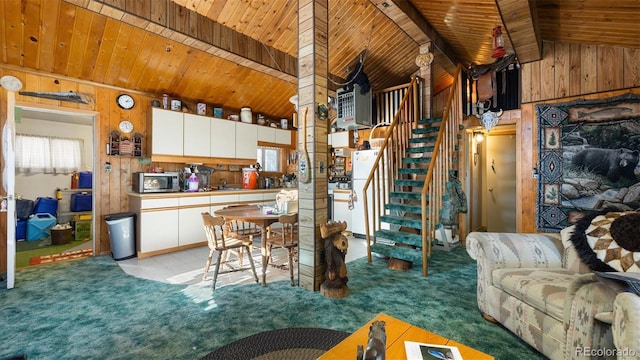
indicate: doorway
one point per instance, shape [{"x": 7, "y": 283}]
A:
[
  {"x": 64, "y": 123},
  {"x": 500, "y": 189}
]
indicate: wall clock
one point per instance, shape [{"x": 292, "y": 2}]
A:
[
  {"x": 125, "y": 101},
  {"x": 126, "y": 126}
]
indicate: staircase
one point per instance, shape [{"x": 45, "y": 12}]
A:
[{"x": 409, "y": 180}]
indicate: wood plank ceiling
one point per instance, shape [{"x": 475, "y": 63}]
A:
[{"x": 243, "y": 53}]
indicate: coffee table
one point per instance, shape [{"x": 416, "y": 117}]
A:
[{"x": 398, "y": 332}]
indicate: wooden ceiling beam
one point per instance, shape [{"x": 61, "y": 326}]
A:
[
  {"x": 409, "y": 19},
  {"x": 520, "y": 21},
  {"x": 180, "y": 24}
]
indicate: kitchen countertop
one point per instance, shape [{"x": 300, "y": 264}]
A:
[{"x": 204, "y": 193}]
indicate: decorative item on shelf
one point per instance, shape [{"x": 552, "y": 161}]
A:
[
  {"x": 261, "y": 120},
  {"x": 176, "y": 105},
  {"x": 201, "y": 108},
  {"x": 245, "y": 115},
  {"x": 126, "y": 147},
  {"x": 114, "y": 143},
  {"x": 165, "y": 101},
  {"x": 137, "y": 144},
  {"x": 217, "y": 112}
]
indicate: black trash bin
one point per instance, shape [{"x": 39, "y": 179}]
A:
[{"x": 122, "y": 235}]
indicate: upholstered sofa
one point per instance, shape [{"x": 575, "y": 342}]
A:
[{"x": 536, "y": 286}]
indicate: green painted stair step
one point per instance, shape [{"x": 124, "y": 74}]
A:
[
  {"x": 409, "y": 182},
  {"x": 420, "y": 149},
  {"x": 406, "y": 195},
  {"x": 400, "y": 237},
  {"x": 402, "y": 221},
  {"x": 398, "y": 252},
  {"x": 413, "y": 171},
  {"x": 420, "y": 160},
  {"x": 410, "y": 208},
  {"x": 425, "y": 130},
  {"x": 429, "y": 120},
  {"x": 423, "y": 139}
]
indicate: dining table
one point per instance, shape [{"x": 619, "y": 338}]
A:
[{"x": 261, "y": 216}]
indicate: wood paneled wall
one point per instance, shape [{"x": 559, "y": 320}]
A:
[
  {"x": 110, "y": 192},
  {"x": 566, "y": 72}
]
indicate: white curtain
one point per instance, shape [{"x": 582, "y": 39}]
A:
[{"x": 48, "y": 154}]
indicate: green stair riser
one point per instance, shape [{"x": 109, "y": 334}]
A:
[
  {"x": 420, "y": 149},
  {"x": 410, "y": 208},
  {"x": 420, "y": 160},
  {"x": 427, "y": 130},
  {"x": 406, "y": 195},
  {"x": 426, "y": 121},
  {"x": 402, "y": 221},
  {"x": 407, "y": 182},
  {"x": 422, "y": 139},
  {"x": 398, "y": 252},
  {"x": 412, "y": 171},
  {"x": 400, "y": 237}
]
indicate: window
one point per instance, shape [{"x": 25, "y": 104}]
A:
[
  {"x": 48, "y": 154},
  {"x": 269, "y": 159}
]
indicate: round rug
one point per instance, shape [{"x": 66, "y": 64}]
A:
[{"x": 289, "y": 343}]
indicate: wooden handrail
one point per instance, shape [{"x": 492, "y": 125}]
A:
[{"x": 394, "y": 148}]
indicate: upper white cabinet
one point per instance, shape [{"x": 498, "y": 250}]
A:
[
  {"x": 197, "y": 135},
  {"x": 341, "y": 139},
  {"x": 274, "y": 135},
  {"x": 223, "y": 138},
  {"x": 166, "y": 132},
  {"x": 283, "y": 137},
  {"x": 246, "y": 140}
]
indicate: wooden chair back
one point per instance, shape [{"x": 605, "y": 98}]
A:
[
  {"x": 214, "y": 229},
  {"x": 289, "y": 232}
]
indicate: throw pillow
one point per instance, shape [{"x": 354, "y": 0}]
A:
[{"x": 609, "y": 241}]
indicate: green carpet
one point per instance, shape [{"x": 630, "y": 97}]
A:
[
  {"x": 27, "y": 249},
  {"x": 91, "y": 309}
]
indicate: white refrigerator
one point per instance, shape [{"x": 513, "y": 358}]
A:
[{"x": 362, "y": 162}]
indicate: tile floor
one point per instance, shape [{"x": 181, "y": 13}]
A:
[{"x": 187, "y": 266}]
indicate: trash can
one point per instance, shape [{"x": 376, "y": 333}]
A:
[{"x": 122, "y": 235}]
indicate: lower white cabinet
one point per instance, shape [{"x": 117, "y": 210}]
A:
[
  {"x": 158, "y": 230},
  {"x": 190, "y": 217}
]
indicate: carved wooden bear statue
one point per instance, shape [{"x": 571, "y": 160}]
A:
[{"x": 335, "y": 247}]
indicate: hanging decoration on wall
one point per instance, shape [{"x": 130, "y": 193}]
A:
[{"x": 61, "y": 96}]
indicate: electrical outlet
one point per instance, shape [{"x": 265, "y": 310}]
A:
[{"x": 107, "y": 167}]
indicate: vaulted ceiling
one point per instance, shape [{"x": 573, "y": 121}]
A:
[{"x": 243, "y": 53}]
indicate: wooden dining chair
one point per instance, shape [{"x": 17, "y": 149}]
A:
[
  {"x": 285, "y": 237},
  {"x": 219, "y": 243}
]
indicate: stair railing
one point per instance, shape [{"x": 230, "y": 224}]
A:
[
  {"x": 394, "y": 147},
  {"x": 391, "y": 152},
  {"x": 443, "y": 156}
]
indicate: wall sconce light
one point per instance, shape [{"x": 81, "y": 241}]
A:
[
  {"x": 498, "y": 42},
  {"x": 479, "y": 136}
]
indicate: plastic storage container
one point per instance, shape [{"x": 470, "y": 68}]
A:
[
  {"x": 39, "y": 225},
  {"x": 24, "y": 208},
  {"x": 21, "y": 229},
  {"x": 46, "y": 205},
  {"x": 122, "y": 235},
  {"x": 85, "y": 180},
  {"x": 81, "y": 202}
]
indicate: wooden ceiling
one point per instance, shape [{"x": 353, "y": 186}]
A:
[{"x": 243, "y": 53}]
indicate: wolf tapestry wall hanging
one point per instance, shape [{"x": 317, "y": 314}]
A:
[{"x": 587, "y": 159}]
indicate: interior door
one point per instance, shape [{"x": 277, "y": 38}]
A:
[
  {"x": 501, "y": 183},
  {"x": 7, "y": 191}
]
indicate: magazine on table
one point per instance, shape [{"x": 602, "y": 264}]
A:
[{"x": 422, "y": 351}]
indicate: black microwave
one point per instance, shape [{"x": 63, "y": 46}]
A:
[{"x": 155, "y": 182}]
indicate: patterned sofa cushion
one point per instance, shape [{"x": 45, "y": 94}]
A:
[{"x": 543, "y": 289}]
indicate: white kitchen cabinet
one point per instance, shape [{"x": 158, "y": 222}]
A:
[
  {"x": 223, "y": 138},
  {"x": 197, "y": 135},
  {"x": 266, "y": 133},
  {"x": 283, "y": 137},
  {"x": 341, "y": 210},
  {"x": 158, "y": 230},
  {"x": 190, "y": 218},
  {"x": 246, "y": 141},
  {"x": 341, "y": 139},
  {"x": 167, "y": 132}
]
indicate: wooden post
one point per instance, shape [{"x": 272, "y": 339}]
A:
[{"x": 312, "y": 91}]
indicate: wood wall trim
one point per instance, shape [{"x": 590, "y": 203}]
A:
[{"x": 520, "y": 21}]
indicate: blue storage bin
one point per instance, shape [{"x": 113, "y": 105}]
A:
[
  {"x": 46, "y": 205},
  {"x": 81, "y": 202},
  {"x": 85, "y": 180},
  {"x": 39, "y": 226},
  {"x": 21, "y": 229}
]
